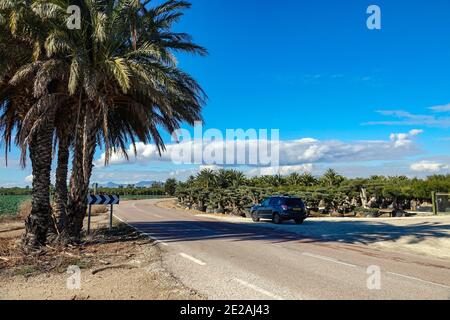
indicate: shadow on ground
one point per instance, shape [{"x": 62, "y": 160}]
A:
[{"x": 352, "y": 232}]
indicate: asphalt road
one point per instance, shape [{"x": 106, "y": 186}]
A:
[{"x": 225, "y": 260}]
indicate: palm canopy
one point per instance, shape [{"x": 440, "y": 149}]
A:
[
  {"x": 15, "y": 51},
  {"x": 131, "y": 81},
  {"x": 115, "y": 71}
]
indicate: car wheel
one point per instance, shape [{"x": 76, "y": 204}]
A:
[
  {"x": 299, "y": 221},
  {"x": 255, "y": 217},
  {"x": 399, "y": 214},
  {"x": 276, "y": 218}
]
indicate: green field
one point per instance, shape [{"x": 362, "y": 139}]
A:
[{"x": 10, "y": 204}]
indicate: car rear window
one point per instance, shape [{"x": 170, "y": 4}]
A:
[
  {"x": 294, "y": 202},
  {"x": 275, "y": 201}
]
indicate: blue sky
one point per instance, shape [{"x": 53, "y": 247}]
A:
[{"x": 312, "y": 69}]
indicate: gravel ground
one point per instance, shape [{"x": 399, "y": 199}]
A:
[{"x": 117, "y": 265}]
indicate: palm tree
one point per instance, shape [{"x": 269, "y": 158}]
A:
[
  {"x": 111, "y": 73},
  {"x": 308, "y": 180},
  {"x": 294, "y": 179},
  {"x": 331, "y": 178},
  {"x": 64, "y": 139},
  {"x": 227, "y": 178},
  {"x": 118, "y": 90},
  {"x": 274, "y": 180},
  {"x": 237, "y": 178},
  {"x": 222, "y": 178},
  {"x": 207, "y": 178},
  {"x": 28, "y": 103},
  {"x": 36, "y": 131}
]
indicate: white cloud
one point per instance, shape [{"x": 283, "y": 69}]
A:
[
  {"x": 283, "y": 170},
  {"x": 443, "y": 108},
  {"x": 209, "y": 167},
  {"x": 404, "y": 139},
  {"x": 131, "y": 176},
  {"x": 407, "y": 119},
  {"x": 291, "y": 152},
  {"x": 415, "y": 132},
  {"x": 29, "y": 179},
  {"x": 429, "y": 166}
]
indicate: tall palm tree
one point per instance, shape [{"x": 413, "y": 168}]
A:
[
  {"x": 123, "y": 89},
  {"x": 112, "y": 73},
  {"x": 28, "y": 103},
  {"x": 36, "y": 130},
  {"x": 64, "y": 137}
]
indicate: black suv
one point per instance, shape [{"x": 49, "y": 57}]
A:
[{"x": 279, "y": 209}]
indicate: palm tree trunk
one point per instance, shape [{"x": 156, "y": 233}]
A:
[
  {"x": 90, "y": 143},
  {"x": 84, "y": 149},
  {"x": 37, "y": 223},
  {"x": 76, "y": 178},
  {"x": 61, "y": 192}
]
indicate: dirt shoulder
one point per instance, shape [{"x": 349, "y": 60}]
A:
[
  {"x": 118, "y": 264},
  {"x": 428, "y": 235}
]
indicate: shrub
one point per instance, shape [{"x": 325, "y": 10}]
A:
[
  {"x": 98, "y": 210},
  {"x": 24, "y": 209}
]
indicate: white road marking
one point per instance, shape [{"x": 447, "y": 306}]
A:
[
  {"x": 328, "y": 259},
  {"x": 146, "y": 234},
  {"x": 420, "y": 280},
  {"x": 197, "y": 261},
  {"x": 258, "y": 289},
  {"x": 155, "y": 239}
]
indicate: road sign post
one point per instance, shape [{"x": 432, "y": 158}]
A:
[
  {"x": 434, "y": 203},
  {"x": 89, "y": 220},
  {"x": 110, "y": 217},
  {"x": 102, "y": 200}
]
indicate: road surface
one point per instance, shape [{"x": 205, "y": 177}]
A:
[{"x": 225, "y": 260}]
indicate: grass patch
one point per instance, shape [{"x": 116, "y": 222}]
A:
[
  {"x": 25, "y": 270},
  {"x": 10, "y": 204}
]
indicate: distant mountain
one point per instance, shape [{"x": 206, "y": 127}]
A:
[
  {"x": 110, "y": 185},
  {"x": 141, "y": 184},
  {"x": 145, "y": 184}
]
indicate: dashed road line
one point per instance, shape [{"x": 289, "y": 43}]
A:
[
  {"x": 328, "y": 259},
  {"x": 191, "y": 258},
  {"x": 420, "y": 280},
  {"x": 258, "y": 289}
]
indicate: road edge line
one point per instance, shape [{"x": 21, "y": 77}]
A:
[{"x": 157, "y": 241}]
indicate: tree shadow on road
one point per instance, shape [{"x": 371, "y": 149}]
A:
[{"x": 351, "y": 232}]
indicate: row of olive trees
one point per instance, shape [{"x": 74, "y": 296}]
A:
[
  {"x": 124, "y": 191},
  {"x": 230, "y": 191},
  {"x": 65, "y": 92}
]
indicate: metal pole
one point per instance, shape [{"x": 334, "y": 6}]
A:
[
  {"x": 433, "y": 197},
  {"x": 110, "y": 217},
  {"x": 89, "y": 220}
]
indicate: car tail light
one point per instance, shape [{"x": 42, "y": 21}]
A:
[{"x": 284, "y": 207}]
